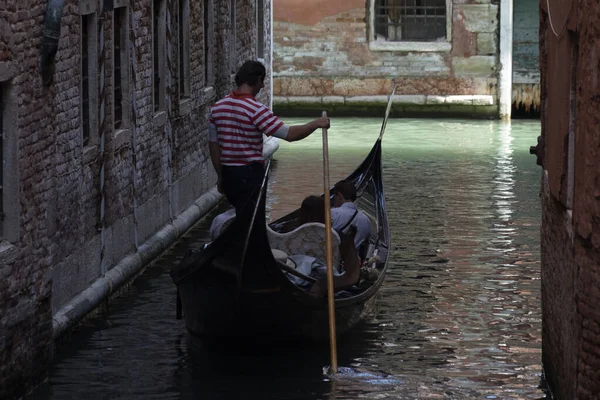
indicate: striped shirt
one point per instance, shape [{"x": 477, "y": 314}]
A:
[{"x": 239, "y": 121}]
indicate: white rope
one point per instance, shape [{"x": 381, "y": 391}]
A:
[{"x": 552, "y": 25}]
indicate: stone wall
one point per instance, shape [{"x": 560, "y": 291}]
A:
[
  {"x": 325, "y": 55},
  {"x": 569, "y": 153},
  {"x": 51, "y": 243}
]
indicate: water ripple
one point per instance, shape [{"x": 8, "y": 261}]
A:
[{"x": 458, "y": 316}]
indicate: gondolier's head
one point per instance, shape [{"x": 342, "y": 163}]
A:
[
  {"x": 251, "y": 73},
  {"x": 343, "y": 192}
]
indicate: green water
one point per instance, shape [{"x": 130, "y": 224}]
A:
[{"x": 458, "y": 315}]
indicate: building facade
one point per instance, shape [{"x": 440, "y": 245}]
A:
[
  {"x": 446, "y": 56},
  {"x": 104, "y": 155},
  {"x": 569, "y": 153}
]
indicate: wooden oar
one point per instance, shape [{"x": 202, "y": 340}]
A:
[{"x": 330, "y": 286}]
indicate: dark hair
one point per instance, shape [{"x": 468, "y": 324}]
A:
[
  {"x": 346, "y": 188},
  {"x": 312, "y": 210},
  {"x": 250, "y": 73}
]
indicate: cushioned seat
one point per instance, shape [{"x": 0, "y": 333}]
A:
[{"x": 307, "y": 239}]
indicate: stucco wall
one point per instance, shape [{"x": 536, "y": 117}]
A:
[
  {"x": 53, "y": 250},
  {"x": 322, "y": 52},
  {"x": 570, "y": 83}
]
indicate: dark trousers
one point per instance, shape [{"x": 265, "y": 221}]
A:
[{"x": 240, "y": 183}]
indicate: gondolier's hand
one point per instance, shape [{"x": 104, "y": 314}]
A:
[{"x": 323, "y": 122}]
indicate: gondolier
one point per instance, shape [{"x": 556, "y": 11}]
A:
[{"x": 236, "y": 125}]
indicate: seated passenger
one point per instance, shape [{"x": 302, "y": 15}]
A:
[
  {"x": 345, "y": 214},
  {"x": 312, "y": 210},
  {"x": 351, "y": 274}
]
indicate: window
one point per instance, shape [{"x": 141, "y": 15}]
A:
[
  {"x": 209, "y": 78},
  {"x": 158, "y": 53},
  {"x": 233, "y": 38},
  {"x": 2, "y": 157},
  {"x": 184, "y": 48},
  {"x": 9, "y": 179},
  {"x": 89, "y": 87},
  {"x": 121, "y": 69},
  {"x": 260, "y": 27},
  {"x": 410, "y": 25}
]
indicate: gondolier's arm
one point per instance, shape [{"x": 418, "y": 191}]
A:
[{"x": 299, "y": 132}]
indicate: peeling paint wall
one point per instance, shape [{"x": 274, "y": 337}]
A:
[{"x": 322, "y": 49}]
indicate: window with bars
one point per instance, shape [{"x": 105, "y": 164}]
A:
[
  {"x": 184, "y": 48},
  {"x": 410, "y": 20}
]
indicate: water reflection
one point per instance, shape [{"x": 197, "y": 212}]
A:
[{"x": 458, "y": 315}]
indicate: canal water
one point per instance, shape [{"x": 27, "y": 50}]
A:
[{"x": 458, "y": 316}]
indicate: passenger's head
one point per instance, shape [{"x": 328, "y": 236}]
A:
[
  {"x": 343, "y": 192},
  {"x": 253, "y": 74},
  {"x": 312, "y": 210}
]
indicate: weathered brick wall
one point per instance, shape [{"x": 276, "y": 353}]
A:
[
  {"x": 25, "y": 288},
  {"x": 323, "y": 50},
  {"x": 57, "y": 253},
  {"x": 571, "y": 200}
]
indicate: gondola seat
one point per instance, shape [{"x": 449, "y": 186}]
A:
[{"x": 307, "y": 239}]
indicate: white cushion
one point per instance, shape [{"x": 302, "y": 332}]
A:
[{"x": 307, "y": 239}]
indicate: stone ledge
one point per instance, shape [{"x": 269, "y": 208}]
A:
[
  {"x": 122, "y": 139},
  {"x": 476, "y": 100},
  {"x": 8, "y": 253},
  {"x": 417, "y": 47},
  {"x": 90, "y": 298},
  {"x": 8, "y": 70},
  {"x": 185, "y": 106}
]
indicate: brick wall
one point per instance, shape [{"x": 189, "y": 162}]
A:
[
  {"x": 325, "y": 50},
  {"x": 570, "y": 197},
  {"x": 56, "y": 252}
]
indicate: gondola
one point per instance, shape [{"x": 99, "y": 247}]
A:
[{"x": 235, "y": 286}]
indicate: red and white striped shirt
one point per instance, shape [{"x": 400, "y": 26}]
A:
[{"x": 239, "y": 121}]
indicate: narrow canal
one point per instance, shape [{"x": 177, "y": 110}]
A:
[{"x": 458, "y": 316}]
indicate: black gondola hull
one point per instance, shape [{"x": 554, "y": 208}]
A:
[
  {"x": 218, "y": 309},
  {"x": 235, "y": 288}
]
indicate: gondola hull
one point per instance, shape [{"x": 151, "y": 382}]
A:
[
  {"x": 235, "y": 287},
  {"x": 266, "y": 313}
]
